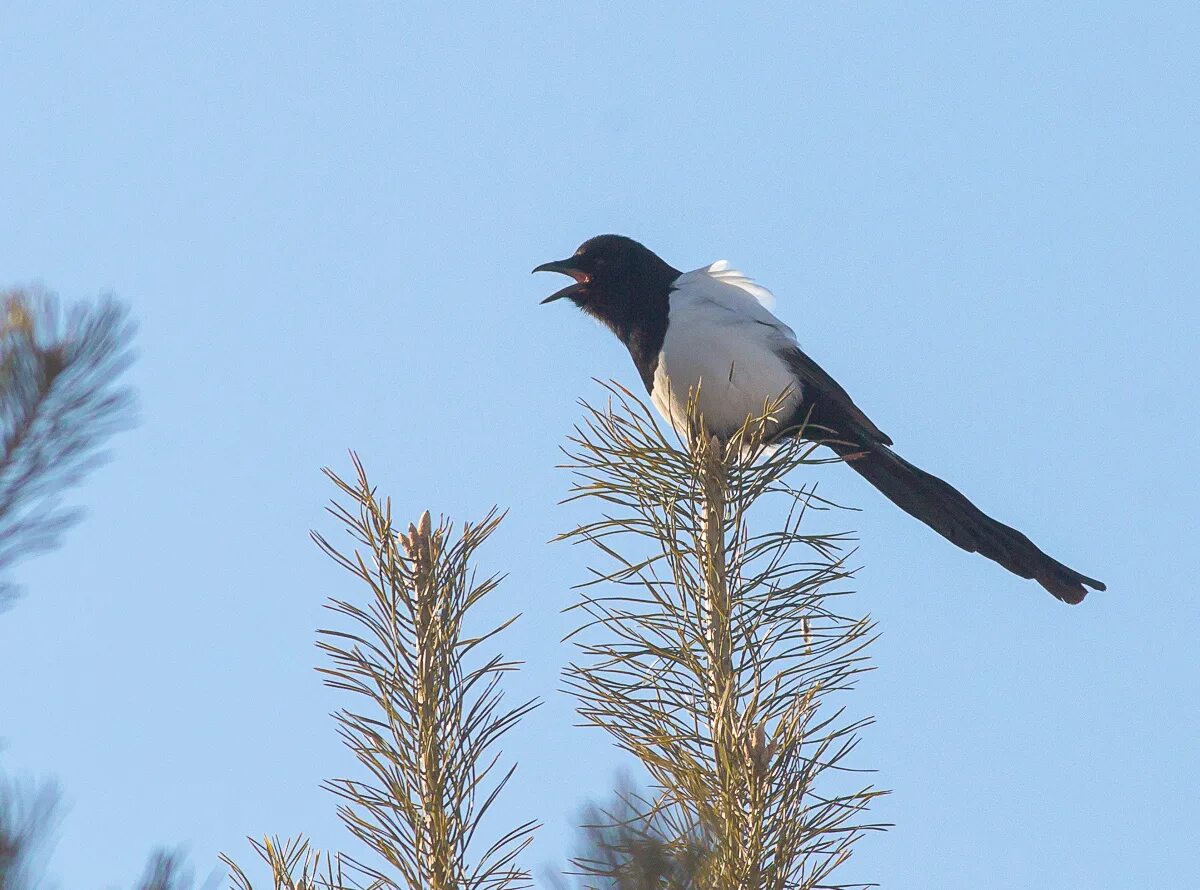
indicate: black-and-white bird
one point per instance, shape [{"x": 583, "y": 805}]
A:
[{"x": 713, "y": 326}]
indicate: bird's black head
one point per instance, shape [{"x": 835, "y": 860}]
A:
[{"x": 614, "y": 277}]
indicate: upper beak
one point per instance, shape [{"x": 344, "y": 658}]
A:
[{"x": 563, "y": 267}]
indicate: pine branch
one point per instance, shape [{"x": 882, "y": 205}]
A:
[
  {"x": 424, "y": 715},
  {"x": 295, "y": 865},
  {"x": 710, "y": 653}
]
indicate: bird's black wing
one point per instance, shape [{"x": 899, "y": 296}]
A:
[{"x": 827, "y": 406}]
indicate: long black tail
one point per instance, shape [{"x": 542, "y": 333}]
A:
[{"x": 947, "y": 511}]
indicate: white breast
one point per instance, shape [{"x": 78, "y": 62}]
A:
[{"x": 722, "y": 348}]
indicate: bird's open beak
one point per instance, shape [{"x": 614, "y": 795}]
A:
[{"x": 564, "y": 267}]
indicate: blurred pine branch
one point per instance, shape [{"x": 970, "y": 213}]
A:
[
  {"x": 165, "y": 871},
  {"x": 59, "y": 402},
  {"x": 629, "y": 851},
  {"x": 28, "y": 813}
]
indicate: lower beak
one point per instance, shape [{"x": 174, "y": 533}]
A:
[{"x": 563, "y": 267}]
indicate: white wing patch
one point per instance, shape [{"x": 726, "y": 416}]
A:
[
  {"x": 731, "y": 291},
  {"x": 723, "y": 347},
  {"x": 722, "y": 271}
]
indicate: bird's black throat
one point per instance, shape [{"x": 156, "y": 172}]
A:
[{"x": 636, "y": 311}]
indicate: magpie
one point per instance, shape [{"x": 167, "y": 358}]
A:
[{"x": 709, "y": 335}]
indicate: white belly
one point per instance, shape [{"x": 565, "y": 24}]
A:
[{"x": 730, "y": 372}]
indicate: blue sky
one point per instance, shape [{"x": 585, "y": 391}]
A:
[{"x": 981, "y": 219}]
